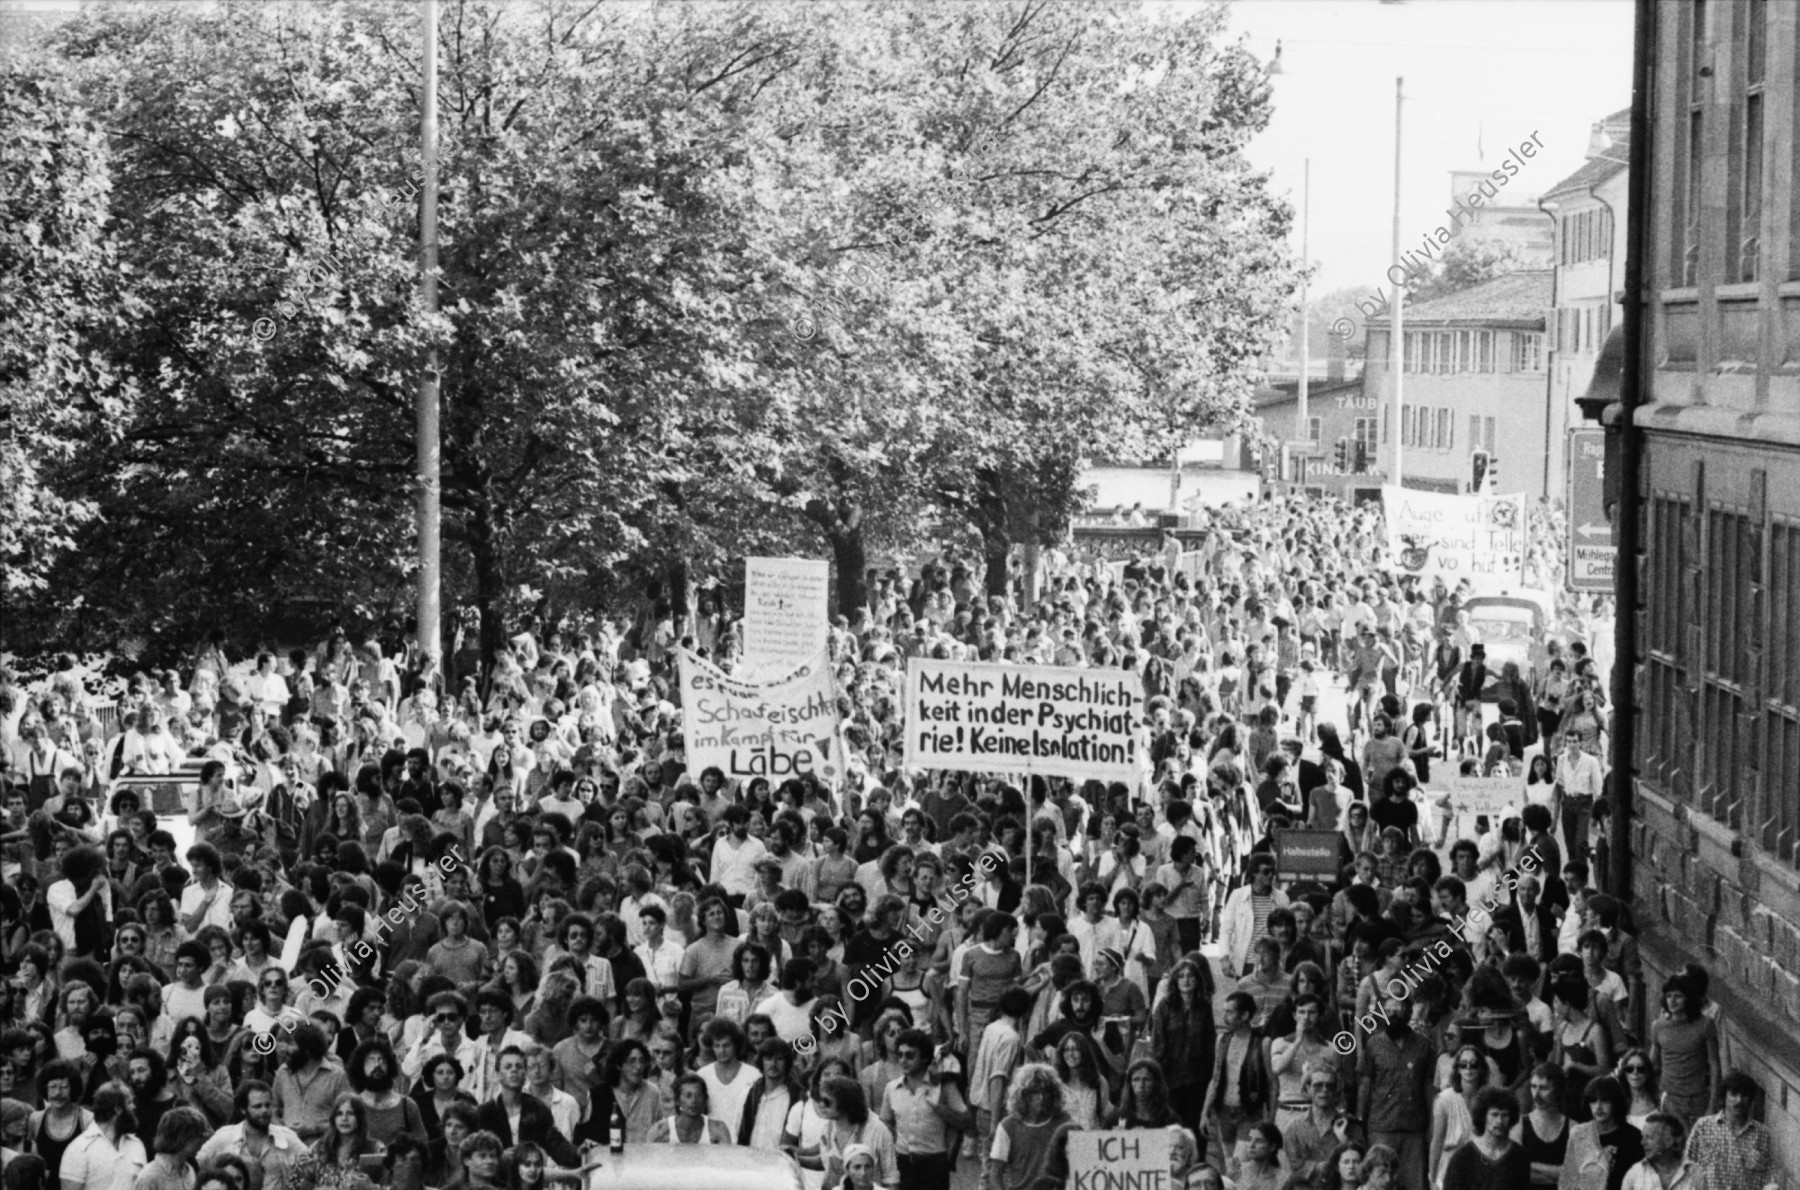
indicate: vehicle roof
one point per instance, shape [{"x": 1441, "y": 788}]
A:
[
  {"x": 693, "y": 1167},
  {"x": 1527, "y": 598}
]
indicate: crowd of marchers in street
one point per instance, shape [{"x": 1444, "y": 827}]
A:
[{"x": 637, "y": 951}]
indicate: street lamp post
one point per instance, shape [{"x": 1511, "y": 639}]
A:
[
  {"x": 1397, "y": 337},
  {"x": 430, "y": 505},
  {"x": 1301, "y": 433}
]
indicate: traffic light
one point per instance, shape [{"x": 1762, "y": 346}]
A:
[
  {"x": 1493, "y": 477},
  {"x": 1343, "y": 454},
  {"x": 1362, "y": 456},
  {"x": 1480, "y": 463}
]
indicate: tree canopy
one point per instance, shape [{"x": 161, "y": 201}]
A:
[{"x": 715, "y": 280}]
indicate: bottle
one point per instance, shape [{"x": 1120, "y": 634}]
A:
[{"x": 616, "y": 1129}]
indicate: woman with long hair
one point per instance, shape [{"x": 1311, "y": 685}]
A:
[
  {"x": 196, "y": 1074},
  {"x": 1582, "y": 1047},
  {"x": 1032, "y": 1131},
  {"x": 344, "y": 818},
  {"x": 1143, "y": 1098},
  {"x": 1079, "y": 1068},
  {"x": 833, "y": 1043},
  {"x": 640, "y": 1016},
  {"x": 1452, "y": 1118},
  {"x": 500, "y": 891},
  {"x": 338, "y": 1155},
  {"x": 765, "y": 930},
  {"x": 1183, "y": 1039},
  {"x": 804, "y": 1131},
  {"x": 1343, "y": 1169},
  {"x": 1643, "y": 1087},
  {"x": 516, "y": 974}
]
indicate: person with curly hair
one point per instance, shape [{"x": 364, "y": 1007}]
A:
[{"x": 1031, "y": 1143}]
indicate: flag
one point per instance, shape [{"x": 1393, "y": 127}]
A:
[{"x": 1479, "y": 155}]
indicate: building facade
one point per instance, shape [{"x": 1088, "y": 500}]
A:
[
  {"x": 1474, "y": 380},
  {"x": 1715, "y": 805},
  {"x": 1587, "y": 213},
  {"x": 1507, "y": 217}
]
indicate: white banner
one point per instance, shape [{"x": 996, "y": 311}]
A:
[
  {"x": 785, "y": 602},
  {"x": 1492, "y": 796},
  {"x": 779, "y": 729},
  {"x": 1134, "y": 1160},
  {"x": 985, "y": 718},
  {"x": 1480, "y": 538}
]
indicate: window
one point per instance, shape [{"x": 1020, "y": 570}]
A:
[
  {"x": 1484, "y": 348},
  {"x": 1409, "y": 423},
  {"x": 1528, "y": 351},
  {"x": 1780, "y": 813},
  {"x": 1744, "y": 215},
  {"x": 1490, "y": 435},
  {"x": 1363, "y": 430},
  {"x": 1730, "y": 631},
  {"x": 1446, "y": 430},
  {"x": 1665, "y": 747},
  {"x": 1474, "y": 432},
  {"x": 1415, "y": 352},
  {"x": 1688, "y": 243}
]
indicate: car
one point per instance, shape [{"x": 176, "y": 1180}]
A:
[
  {"x": 1511, "y": 627},
  {"x": 693, "y": 1167}
]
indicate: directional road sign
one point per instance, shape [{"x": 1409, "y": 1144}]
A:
[{"x": 1591, "y": 556}]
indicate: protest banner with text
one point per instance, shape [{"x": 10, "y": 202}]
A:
[
  {"x": 983, "y": 718},
  {"x": 1480, "y": 538},
  {"x": 786, "y": 727},
  {"x": 785, "y": 609},
  {"x": 1135, "y": 1160}
]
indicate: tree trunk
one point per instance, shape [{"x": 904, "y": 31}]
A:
[
  {"x": 996, "y": 549},
  {"x": 490, "y": 581},
  {"x": 681, "y": 592},
  {"x": 851, "y": 555}
]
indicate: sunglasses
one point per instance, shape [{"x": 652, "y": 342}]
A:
[
  {"x": 274, "y": 985},
  {"x": 1637, "y": 1070}
]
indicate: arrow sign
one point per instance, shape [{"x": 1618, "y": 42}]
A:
[{"x": 1590, "y": 562}]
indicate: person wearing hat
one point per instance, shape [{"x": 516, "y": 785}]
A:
[{"x": 1124, "y": 1010}]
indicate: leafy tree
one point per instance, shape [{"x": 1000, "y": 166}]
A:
[
  {"x": 63, "y": 298},
  {"x": 1468, "y": 261}
]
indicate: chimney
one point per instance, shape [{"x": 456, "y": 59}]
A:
[{"x": 1334, "y": 360}]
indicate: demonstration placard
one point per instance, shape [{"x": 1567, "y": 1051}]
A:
[
  {"x": 983, "y": 718},
  {"x": 1135, "y": 1160},
  {"x": 783, "y": 728},
  {"x": 785, "y": 605},
  {"x": 1492, "y": 796},
  {"x": 1305, "y": 853},
  {"x": 1480, "y": 538}
]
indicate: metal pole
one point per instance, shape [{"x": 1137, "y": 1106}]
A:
[
  {"x": 1627, "y": 527},
  {"x": 1397, "y": 344},
  {"x": 1300, "y": 416},
  {"x": 430, "y": 511}
]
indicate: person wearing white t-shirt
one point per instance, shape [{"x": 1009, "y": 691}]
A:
[
  {"x": 105, "y": 1155},
  {"x": 790, "y": 1010},
  {"x": 266, "y": 688}
]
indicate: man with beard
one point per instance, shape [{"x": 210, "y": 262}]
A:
[
  {"x": 305, "y": 1088},
  {"x": 270, "y": 1149},
  {"x": 1394, "y": 1088},
  {"x": 148, "y": 1076},
  {"x": 735, "y": 853},
  {"x": 106, "y": 1155},
  {"x": 373, "y": 1070}
]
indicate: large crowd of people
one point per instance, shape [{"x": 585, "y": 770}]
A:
[{"x": 455, "y": 928}]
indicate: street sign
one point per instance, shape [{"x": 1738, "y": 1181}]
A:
[{"x": 1591, "y": 554}]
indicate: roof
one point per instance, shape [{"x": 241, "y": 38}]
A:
[
  {"x": 1593, "y": 171},
  {"x": 1289, "y": 390},
  {"x": 1516, "y": 299},
  {"x": 693, "y": 1167}
]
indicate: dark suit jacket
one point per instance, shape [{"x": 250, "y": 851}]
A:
[
  {"x": 1515, "y": 931},
  {"x": 535, "y": 1124}
]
